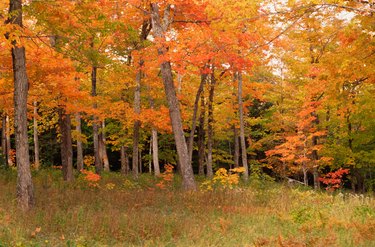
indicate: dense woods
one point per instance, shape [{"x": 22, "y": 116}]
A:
[
  {"x": 201, "y": 94},
  {"x": 284, "y": 89}
]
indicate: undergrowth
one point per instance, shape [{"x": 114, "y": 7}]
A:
[{"x": 121, "y": 211}]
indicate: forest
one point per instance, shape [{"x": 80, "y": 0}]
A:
[{"x": 187, "y": 122}]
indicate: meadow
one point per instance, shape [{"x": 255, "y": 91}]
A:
[{"x": 120, "y": 211}]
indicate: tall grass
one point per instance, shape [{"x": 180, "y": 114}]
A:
[{"x": 137, "y": 213}]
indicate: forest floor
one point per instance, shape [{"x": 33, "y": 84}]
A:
[{"x": 122, "y": 212}]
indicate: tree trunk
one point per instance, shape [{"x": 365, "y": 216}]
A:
[
  {"x": 104, "y": 148},
  {"x": 124, "y": 161},
  {"x": 66, "y": 145},
  {"x": 3, "y": 140},
  {"x": 188, "y": 180},
  {"x": 25, "y": 188},
  {"x": 36, "y": 139},
  {"x": 137, "y": 123},
  {"x": 194, "y": 119},
  {"x": 79, "y": 142},
  {"x": 236, "y": 155},
  {"x": 210, "y": 121},
  {"x": 95, "y": 127},
  {"x": 305, "y": 178},
  {"x": 242, "y": 129},
  {"x": 8, "y": 143},
  {"x": 201, "y": 137},
  {"x": 155, "y": 152}
]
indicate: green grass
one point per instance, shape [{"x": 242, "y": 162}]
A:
[{"x": 136, "y": 213}]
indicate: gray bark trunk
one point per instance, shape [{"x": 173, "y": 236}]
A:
[
  {"x": 3, "y": 140},
  {"x": 242, "y": 129},
  {"x": 188, "y": 180},
  {"x": 95, "y": 127},
  {"x": 79, "y": 142},
  {"x": 8, "y": 143},
  {"x": 137, "y": 123},
  {"x": 155, "y": 152},
  {"x": 236, "y": 155},
  {"x": 36, "y": 139},
  {"x": 66, "y": 145},
  {"x": 210, "y": 130},
  {"x": 104, "y": 148},
  {"x": 124, "y": 161},
  {"x": 194, "y": 119},
  {"x": 201, "y": 137},
  {"x": 25, "y": 188}
]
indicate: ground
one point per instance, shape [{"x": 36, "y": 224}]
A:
[{"x": 119, "y": 211}]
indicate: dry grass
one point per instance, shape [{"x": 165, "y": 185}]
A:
[{"x": 138, "y": 214}]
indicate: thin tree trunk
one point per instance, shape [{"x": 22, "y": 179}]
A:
[
  {"x": 124, "y": 161},
  {"x": 242, "y": 129},
  {"x": 194, "y": 119},
  {"x": 236, "y": 155},
  {"x": 95, "y": 127},
  {"x": 36, "y": 139},
  {"x": 210, "y": 121},
  {"x": 155, "y": 147},
  {"x": 8, "y": 143},
  {"x": 25, "y": 188},
  {"x": 305, "y": 178},
  {"x": 155, "y": 152},
  {"x": 137, "y": 123},
  {"x": 201, "y": 136},
  {"x": 140, "y": 162},
  {"x": 3, "y": 140},
  {"x": 79, "y": 142},
  {"x": 104, "y": 148},
  {"x": 66, "y": 145},
  {"x": 188, "y": 180}
]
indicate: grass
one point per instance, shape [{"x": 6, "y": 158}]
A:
[{"x": 137, "y": 213}]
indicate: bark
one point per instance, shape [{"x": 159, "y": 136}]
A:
[
  {"x": 66, "y": 145},
  {"x": 104, "y": 148},
  {"x": 79, "y": 142},
  {"x": 210, "y": 121},
  {"x": 194, "y": 119},
  {"x": 154, "y": 145},
  {"x": 236, "y": 155},
  {"x": 25, "y": 188},
  {"x": 242, "y": 129},
  {"x": 140, "y": 162},
  {"x": 36, "y": 139},
  {"x": 305, "y": 178},
  {"x": 8, "y": 143},
  {"x": 201, "y": 137},
  {"x": 315, "y": 156},
  {"x": 188, "y": 180},
  {"x": 95, "y": 127},
  {"x": 124, "y": 161},
  {"x": 137, "y": 123},
  {"x": 3, "y": 140},
  {"x": 155, "y": 152}
]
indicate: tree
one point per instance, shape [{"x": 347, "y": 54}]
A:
[{"x": 25, "y": 188}]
